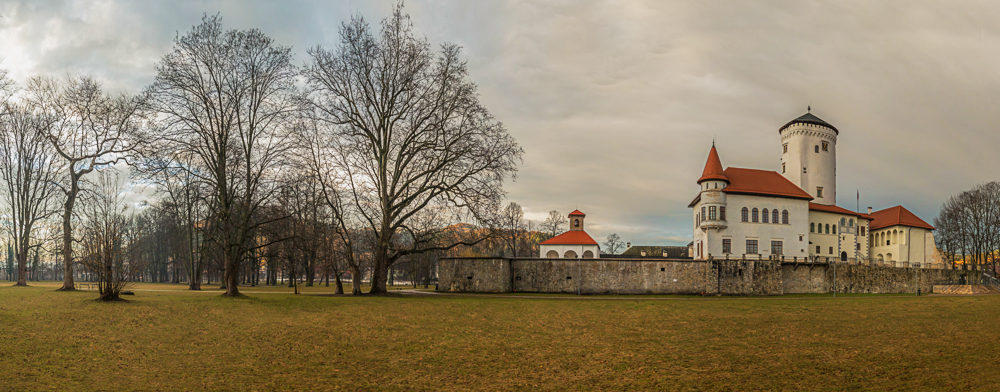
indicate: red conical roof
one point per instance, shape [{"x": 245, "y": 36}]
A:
[
  {"x": 577, "y": 213},
  {"x": 713, "y": 168}
]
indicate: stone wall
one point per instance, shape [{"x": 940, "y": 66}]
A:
[
  {"x": 852, "y": 278},
  {"x": 610, "y": 276},
  {"x": 669, "y": 276}
]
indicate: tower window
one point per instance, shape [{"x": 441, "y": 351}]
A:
[
  {"x": 862, "y": 230},
  {"x": 817, "y": 149},
  {"x": 722, "y": 213},
  {"x": 826, "y": 146},
  {"x": 576, "y": 223},
  {"x": 711, "y": 213},
  {"x": 784, "y": 148},
  {"x": 703, "y": 215},
  {"x": 782, "y": 168},
  {"x": 819, "y": 191}
]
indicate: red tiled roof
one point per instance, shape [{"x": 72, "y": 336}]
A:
[
  {"x": 573, "y": 237},
  {"x": 837, "y": 210},
  {"x": 897, "y": 215},
  {"x": 713, "y": 167},
  {"x": 577, "y": 213},
  {"x": 762, "y": 182}
]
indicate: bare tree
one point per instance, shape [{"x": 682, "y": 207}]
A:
[
  {"x": 225, "y": 97},
  {"x": 109, "y": 240},
  {"x": 28, "y": 174},
  {"x": 409, "y": 132},
  {"x": 512, "y": 226},
  {"x": 552, "y": 226},
  {"x": 613, "y": 244},
  {"x": 89, "y": 130}
]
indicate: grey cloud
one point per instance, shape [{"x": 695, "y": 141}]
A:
[{"x": 617, "y": 103}]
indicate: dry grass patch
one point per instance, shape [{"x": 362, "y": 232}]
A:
[{"x": 180, "y": 340}]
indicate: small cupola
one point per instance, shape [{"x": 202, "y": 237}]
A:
[{"x": 576, "y": 220}]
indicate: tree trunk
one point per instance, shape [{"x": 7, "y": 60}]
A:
[
  {"x": 356, "y": 280},
  {"x": 231, "y": 276}
]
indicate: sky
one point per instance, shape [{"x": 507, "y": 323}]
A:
[{"x": 616, "y": 103}]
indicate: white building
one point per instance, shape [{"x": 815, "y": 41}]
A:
[
  {"x": 758, "y": 213},
  {"x": 575, "y": 243}
]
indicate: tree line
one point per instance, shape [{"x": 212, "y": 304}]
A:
[
  {"x": 372, "y": 153},
  {"x": 968, "y": 227}
]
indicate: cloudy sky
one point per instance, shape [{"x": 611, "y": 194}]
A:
[{"x": 616, "y": 103}]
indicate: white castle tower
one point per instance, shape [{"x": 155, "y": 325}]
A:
[{"x": 809, "y": 156}]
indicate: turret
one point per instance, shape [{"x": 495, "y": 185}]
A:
[
  {"x": 711, "y": 213},
  {"x": 809, "y": 156}
]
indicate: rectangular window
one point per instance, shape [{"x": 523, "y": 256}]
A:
[
  {"x": 711, "y": 213},
  {"x": 819, "y": 191},
  {"x": 784, "y": 148},
  {"x": 752, "y": 247},
  {"x": 862, "y": 231},
  {"x": 782, "y": 167},
  {"x": 727, "y": 245},
  {"x": 722, "y": 213},
  {"x": 826, "y": 146},
  {"x": 703, "y": 214},
  {"x": 776, "y": 248},
  {"x": 817, "y": 249},
  {"x": 831, "y": 250},
  {"x": 857, "y": 246}
]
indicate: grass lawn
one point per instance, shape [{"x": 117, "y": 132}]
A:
[{"x": 181, "y": 340}]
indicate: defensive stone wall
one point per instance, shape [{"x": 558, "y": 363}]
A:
[{"x": 677, "y": 276}]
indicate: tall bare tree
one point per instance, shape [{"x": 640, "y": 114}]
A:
[
  {"x": 28, "y": 174},
  {"x": 409, "y": 132},
  {"x": 512, "y": 227},
  {"x": 225, "y": 97},
  {"x": 613, "y": 244},
  {"x": 89, "y": 130}
]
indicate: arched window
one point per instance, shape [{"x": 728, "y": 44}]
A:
[
  {"x": 569, "y": 254},
  {"x": 576, "y": 223},
  {"x": 834, "y": 229},
  {"x": 827, "y": 228},
  {"x": 755, "y": 214},
  {"x": 588, "y": 254},
  {"x": 774, "y": 216},
  {"x": 743, "y": 214},
  {"x": 817, "y": 148},
  {"x": 784, "y": 217},
  {"x": 850, "y": 223},
  {"x": 765, "y": 216},
  {"x": 843, "y": 221},
  {"x": 552, "y": 254},
  {"x": 812, "y": 227}
]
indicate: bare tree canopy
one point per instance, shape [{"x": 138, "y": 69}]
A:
[
  {"x": 28, "y": 175},
  {"x": 968, "y": 226},
  {"x": 225, "y": 97},
  {"x": 552, "y": 226},
  {"x": 410, "y": 135},
  {"x": 613, "y": 244},
  {"x": 110, "y": 239},
  {"x": 89, "y": 130}
]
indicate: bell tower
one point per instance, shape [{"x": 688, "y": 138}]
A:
[
  {"x": 809, "y": 156},
  {"x": 576, "y": 220}
]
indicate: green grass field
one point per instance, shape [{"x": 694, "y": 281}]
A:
[{"x": 179, "y": 340}]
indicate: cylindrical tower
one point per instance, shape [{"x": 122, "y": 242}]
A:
[
  {"x": 809, "y": 157},
  {"x": 712, "y": 209}
]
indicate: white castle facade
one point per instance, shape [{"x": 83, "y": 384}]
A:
[{"x": 793, "y": 213}]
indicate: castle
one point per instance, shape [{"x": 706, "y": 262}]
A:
[{"x": 750, "y": 213}]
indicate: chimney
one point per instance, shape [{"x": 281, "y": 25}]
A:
[
  {"x": 628, "y": 245},
  {"x": 869, "y": 210}
]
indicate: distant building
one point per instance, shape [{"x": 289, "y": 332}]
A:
[
  {"x": 673, "y": 252},
  {"x": 794, "y": 213},
  {"x": 575, "y": 243}
]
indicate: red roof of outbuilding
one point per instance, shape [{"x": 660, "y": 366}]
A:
[
  {"x": 836, "y": 210},
  {"x": 713, "y": 167},
  {"x": 897, "y": 215},
  {"x": 762, "y": 182},
  {"x": 573, "y": 237},
  {"x": 577, "y": 213}
]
